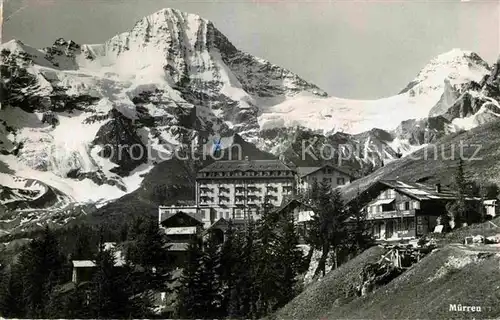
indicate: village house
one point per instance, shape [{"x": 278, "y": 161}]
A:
[
  {"x": 302, "y": 215},
  {"x": 399, "y": 210},
  {"x": 491, "y": 207},
  {"x": 83, "y": 270},
  {"x": 333, "y": 176},
  {"x": 180, "y": 228}
]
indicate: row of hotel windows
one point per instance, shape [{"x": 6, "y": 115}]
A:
[
  {"x": 237, "y": 214},
  {"x": 252, "y": 188},
  {"x": 223, "y": 199},
  {"x": 247, "y": 174}
]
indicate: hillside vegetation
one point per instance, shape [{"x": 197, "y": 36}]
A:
[{"x": 452, "y": 274}]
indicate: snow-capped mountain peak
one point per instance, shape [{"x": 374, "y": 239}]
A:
[
  {"x": 457, "y": 66},
  {"x": 76, "y": 117}
]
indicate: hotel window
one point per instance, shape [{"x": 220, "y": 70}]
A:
[
  {"x": 407, "y": 205},
  {"x": 340, "y": 181}
]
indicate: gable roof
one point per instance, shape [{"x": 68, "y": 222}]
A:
[
  {"x": 421, "y": 191},
  {"x": 292, "y": 203},
  {"x": 305, "y": 171},
  {"x": 186, "y": 214},
  {"x": 246, "y": 165}
]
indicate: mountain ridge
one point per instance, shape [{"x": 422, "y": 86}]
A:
[{"x": 175, "y": 81}]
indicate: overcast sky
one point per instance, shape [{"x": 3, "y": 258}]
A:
[{"x": 351, "y": 49}]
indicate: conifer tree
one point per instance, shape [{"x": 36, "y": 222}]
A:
[
  {"x": 148, "y": 248},
  {"x": 328, "y": 228},
  {"x": 458, "y": 208},
  {"x": 247, "y": 291},
  {"x": 41, "y": 268},
  {"x": 266, "y": 281},
  {"x": 83, "y": 248},
  {"x": 210, "y": 281},
  {"x": 11, "y": 292},
  {"x": 290, "y": 260},
  {"x": 190, "y": 299},
  {"x": 227, "y": 269},
  {"x": 109, "y": 292},
  {"x": 69, "y": 305},
  {"x": 359, "y": 238}
]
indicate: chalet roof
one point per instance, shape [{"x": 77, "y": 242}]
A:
[
  {"x": 246, "y": 165},
  {"x": 180, "y": 212},
  {"x": 178, "y": 246},
  {"x": 83, "y": 263},
  {"x": 305, "y": 171},
  {"x": 219, "y": 223},
  {"x": 421, "y": 191},
  {"x": 291, "y": 203},
  {"x": 383, "y": 201}
]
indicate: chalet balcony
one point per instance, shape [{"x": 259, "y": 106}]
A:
[{"x": 390, "y": 214}]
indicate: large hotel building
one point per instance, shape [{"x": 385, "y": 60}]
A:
[{"x": 240, "y": 189}]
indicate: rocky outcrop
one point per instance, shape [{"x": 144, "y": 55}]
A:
[
  {"x": 424, "y": 131},
  {"x": 120, "y": 144}
]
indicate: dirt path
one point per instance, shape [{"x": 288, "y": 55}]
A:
[{"x": 495, "y": 248}]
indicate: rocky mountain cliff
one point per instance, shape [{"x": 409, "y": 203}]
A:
[{"x": 89, "y": 122}]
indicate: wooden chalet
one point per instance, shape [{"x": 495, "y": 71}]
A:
[{"x": 399, "y": 210}]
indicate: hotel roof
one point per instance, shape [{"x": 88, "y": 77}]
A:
[
  {"x": 246, "y": 165},
  {"x": 421, "y": 191},
  {"x": 305, "y": 171}
]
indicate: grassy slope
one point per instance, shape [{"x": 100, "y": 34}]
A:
[
  {"x": 318, "y": 297},
  {"x": 412, "y": 295},
  {"x": 416, "y": 295},
  {"x": 429, "y": 163}
]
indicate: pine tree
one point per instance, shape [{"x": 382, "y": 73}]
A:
[
  {"x": 227, "y": 269},
  {"x": 148, "y": 253},
  {"x": 190, "y": 299},
  {"x": 41, "y": 268},
  {"x": 460, "y": 209},
  {"x": 210, "y": 280},
  {"x": 69, "y": 305},
  {"x": 359, "y": 238},
  {"x": 109, "y": 292},
  {"x": 266, "y": 280},
  {"x": 247, "y": 290},
  {"x": 83, "y": 248},
  {"x": 290, "y": 260},
  {"x": 11, "y": 290},
  {"x": 329, "y": 225}
]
